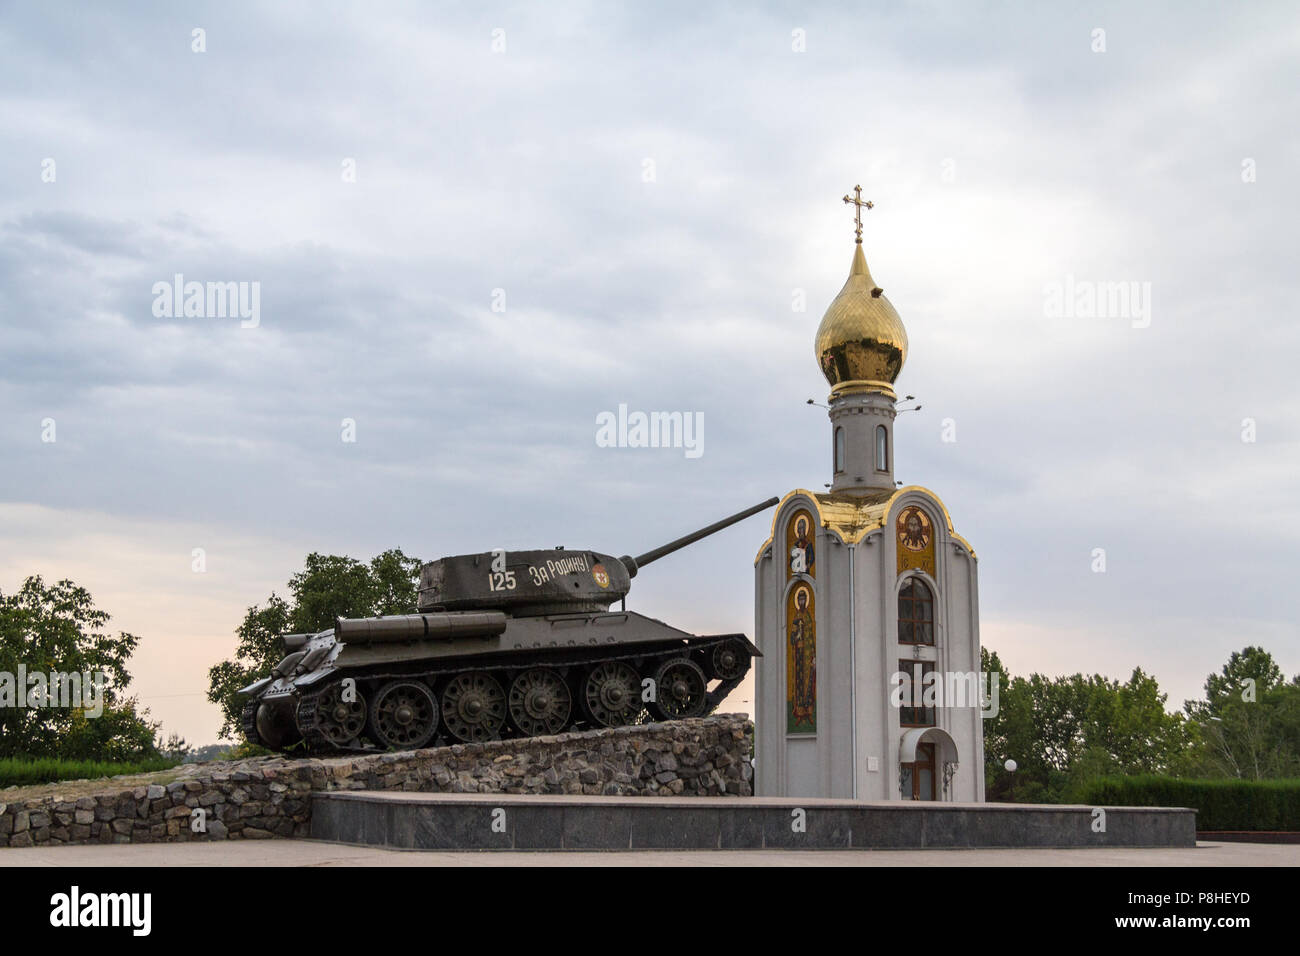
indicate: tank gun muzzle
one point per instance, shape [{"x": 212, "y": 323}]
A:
[{"x": 634, "y": 564}]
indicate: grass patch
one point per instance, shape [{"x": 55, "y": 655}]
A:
[{"x": 16, "y": 772}]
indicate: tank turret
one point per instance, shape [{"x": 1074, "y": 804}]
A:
[
  {"x": 528, "y": 583},
  {"x": 500, "y": 644}
]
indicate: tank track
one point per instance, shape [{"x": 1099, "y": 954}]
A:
[
  {"x": 305, "y": 717},
  {"x": 248, "y": 722},
  {"x": 315, "y": 742}
]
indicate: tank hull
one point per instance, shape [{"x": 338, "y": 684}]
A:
[
  {"x": 457, "y": 677},
  {"x": 502, "y": 644}
]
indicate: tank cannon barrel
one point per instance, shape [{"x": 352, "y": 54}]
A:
[{"x": 634, "y": 564}]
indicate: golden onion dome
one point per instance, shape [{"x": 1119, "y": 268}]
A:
[{"x": 861, "y": 343}]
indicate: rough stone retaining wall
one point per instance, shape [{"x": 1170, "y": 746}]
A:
[{"x": 270, "y": 797}]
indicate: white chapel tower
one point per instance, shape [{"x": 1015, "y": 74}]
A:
[{"x": 866, "y": 606}]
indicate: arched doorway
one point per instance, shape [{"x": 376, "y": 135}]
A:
[
  {"x": 917, "y": 781},
  {"x": 927, "y": 760}
]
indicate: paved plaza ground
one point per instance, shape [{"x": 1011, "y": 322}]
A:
[{"x": 314, "y": 853}]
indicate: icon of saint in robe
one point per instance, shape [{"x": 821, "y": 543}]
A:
[
  {"x": 801, "y": 663},
  {"x": 802, "y": 554}
]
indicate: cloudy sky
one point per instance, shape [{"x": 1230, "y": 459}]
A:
[{"x": 559, "y": 208}]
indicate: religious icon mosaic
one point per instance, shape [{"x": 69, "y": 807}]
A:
[
  {"x": 801, "y": 661},
  {"x": 915, "y": 541},
  {"x": 801, "y": 556}
]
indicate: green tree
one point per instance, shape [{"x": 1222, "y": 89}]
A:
[
  {"x": 329, "y": 586},
  {"x": 258, "y": 650},
  {"x": 175, "y": 748},
  {"x": 1249, "y": 672},
  {"x": 1248, "y": 725},
  {"x": 397, "y": 582},
  {"x": 58, "y": 629},
  {"x": 1064, "y": 731},
  {"x": 999, "y": 729}
]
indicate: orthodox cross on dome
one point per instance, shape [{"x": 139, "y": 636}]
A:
[{"x": 858, "y": 202}]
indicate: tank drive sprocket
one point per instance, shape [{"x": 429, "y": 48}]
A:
[
  {"x": 332, "y": 717},
  {"x": 681, "y": 690}
]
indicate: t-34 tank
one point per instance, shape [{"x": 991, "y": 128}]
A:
[{"x": 502, "y": 644}]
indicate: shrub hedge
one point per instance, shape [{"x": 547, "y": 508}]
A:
[{"x": 1220, "y": 804}]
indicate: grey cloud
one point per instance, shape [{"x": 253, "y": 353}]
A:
[{"x": 523, "y": 172}]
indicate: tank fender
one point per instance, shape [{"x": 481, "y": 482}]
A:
[
  {"x": 749, "y": 645},
  {"x": 256, "y": 687},
  {"x": 314, "y": 676}
]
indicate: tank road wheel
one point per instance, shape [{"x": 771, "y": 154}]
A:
[
  {"x": 681, "y": 690},
  {"x": 612, "y": 693},
  {"x": 730, "y": 660},
  {"x": 403, "y": 715},
  {"x": 339, "y": 721},
  {"x": 473, "y": 707},
  {"x": 540, "y": 703}
]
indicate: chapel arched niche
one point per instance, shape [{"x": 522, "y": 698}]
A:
[{"x": 800, "y": 621}]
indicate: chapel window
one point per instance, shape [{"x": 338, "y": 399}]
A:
[
  {"x": 839, "y": 449},
  {"x": 915, "y": 612},
  {"x": 913, "y": 712},
  {"x": 882, "y": 448}
]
